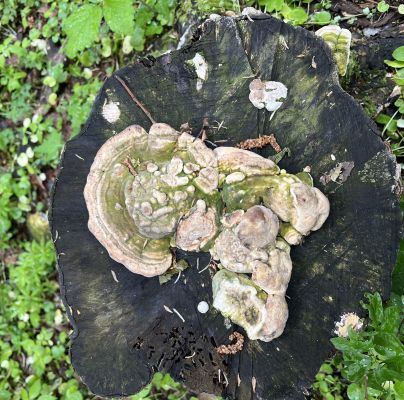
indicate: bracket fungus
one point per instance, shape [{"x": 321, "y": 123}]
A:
[
  {"x": 168, "y": 189},
  {"x": 339, "y": 41}
]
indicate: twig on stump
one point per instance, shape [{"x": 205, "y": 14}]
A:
[
  {"x": 135, "y": 99},
  {"x": 128, "y": 163}
]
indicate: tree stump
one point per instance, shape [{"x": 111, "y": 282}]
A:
[{"x": 122, "y": 331}]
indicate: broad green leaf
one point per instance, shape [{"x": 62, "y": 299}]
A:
[
  {"x": 355, "y": 392},
  {"x": 143, "y": 394},
  {"x": 5, "y": 394},
  {"x": 164, "y": 14},
  {"x": 343, "y": 344},
  {"x": 119, "y": 15},
  {"x": 388, "y": 345},
  {"x": 394, "y": 63},
  {"x": 138, "y": 39},
  {"x": 73, "y": 394},
  {"x": 322, "y": 18},
  {"x": 401, "y": 8},
  {"x": 297, "y": 15},
  {"x": 391, "y": 124},
  {"x": 273, "y": 5},
  {"x": 81, "y": 28},
  {"x": 375, "y": 308},
  {"x": 34, "y": 388},
  {"x": 382, "y": 6},
  {"x": 399, "y": 385},
  {"x": 398, "y": 53},
  {"x": 391, "y": 320}
]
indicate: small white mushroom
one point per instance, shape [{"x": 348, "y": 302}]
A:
[{"x": 203, "y": 307}]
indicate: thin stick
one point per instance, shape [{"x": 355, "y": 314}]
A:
[
  {"x": 135, "y": 99},
  {"x": 128, "y": 164}
]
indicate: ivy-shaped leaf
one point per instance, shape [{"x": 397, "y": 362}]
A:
[
  {"x": 81, "y": 28},
  {"x": 119, "y": 15}
]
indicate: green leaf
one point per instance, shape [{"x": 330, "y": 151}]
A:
[
  {"x": 81, "y": 28},
  {"x": 401, "y": 9},
  {"x": 375, "y": 308},
  {"x": 297, "y": 16},
  {"x": 391, "y": 124},
  {"x": 382, "y": 6},
  {"x": 355, "y": 392},
  {"x": 391, "y": 320},
  {"x": 342, "y": 344},
  {"x": 73, "y": 394},
  {"x": 34, "y": 388},
  {"x": 5, "y": 394},
  {"x": 143, "y": 394},
  {"x": 119, "y": 15},
  {"x": 138, "y": 39},
  {"x": 399, "y": 385},
  {"x": 164, "y": 14},
  {"x": 398, "y": 53},
  {"x": 273, "y": 5},
  {"x": 322, "y": 18},
  {"x": 394, "y": 64}
]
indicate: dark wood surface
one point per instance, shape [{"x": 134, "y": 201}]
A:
[{"x": 122, "y": 333}]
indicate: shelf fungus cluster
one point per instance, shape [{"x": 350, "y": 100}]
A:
[{"x": 148, "y": 192}]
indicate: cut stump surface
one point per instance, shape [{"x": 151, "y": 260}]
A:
[{"x": 122, "y": 331}]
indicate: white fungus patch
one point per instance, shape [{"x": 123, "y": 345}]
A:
[
  {"x": 111, "y": 111},
  {"x": 203, "y": 307},
  {"x": 268, "y": 94},
  {"x": 201, "y": 69}
]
